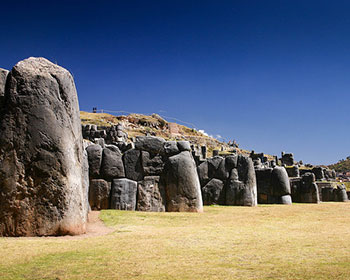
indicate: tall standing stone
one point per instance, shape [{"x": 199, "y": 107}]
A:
[
  {"x": 41, "y": 154},
  {"x": 182, "y": 185}
]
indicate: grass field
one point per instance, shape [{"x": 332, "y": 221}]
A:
[{"x": 265, "y": 242}]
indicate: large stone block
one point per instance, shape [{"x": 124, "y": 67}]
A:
[
  {"x": 123, "y": 194},
  {"x": 309, "y": 190},
  {"x": 151, "y": 195},
  {"x": 202, "y": 170},
  {"x": 132, "y": 165},
  {"x": 41, "y": 153},
  {"x": 246, "y": 174},
  {"x": 170, "y": 148},
  {"x": 95, "y": 159},
  {"x": 280, "y": 181},
  {"x": 213, "y": 192},
  {"x": 112, "y": 164},
  {"x": 152, "y": 165},
  {"x": 99, "y": 194},
  {"x": 151, "y": 144},
  {"x": 182, "y": 184}
]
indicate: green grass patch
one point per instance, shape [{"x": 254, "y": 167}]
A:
[{"x": 301, "y": 241}]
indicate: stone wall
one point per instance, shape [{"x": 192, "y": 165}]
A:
[
  {"x": 156, "y": 175},
  {"x": 228, "y": 181},
  {"x": 273, "y": 185}
]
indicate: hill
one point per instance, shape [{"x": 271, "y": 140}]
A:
[
  {"x": 342, "y": 165},
  {"x": 138, "y": 125}
]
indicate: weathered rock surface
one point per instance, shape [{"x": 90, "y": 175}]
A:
[
  {"x": 151, "y": 165},
  {"x": 123, "y": 194},
  {"x": 112, "y": 164},
  {"x": 340, "y": 194},
  {"x": 151, "y": 195},
  {"x": 184, "y": 146},
  {"x": 182, "y": 184},
  {"x": 280, "y": 184},
  {"x": 319, "y": 172},
  {"x": 41, "y": 154},
  {"x": 246, "y": 175},
  {"x": 213, "y": 192},
  {"x": 3, "y": 76},
  {"x": 95, "y": 159},
  {"x": 308, "y": 192},
  {"x": 99, "y": 194},
  {"x": 153, "y": 145},
  {"x": 293, "y": 171},
  {"x": 132, "y": 165},
  {"x": 202, "y": 170},
  {"x": 170, "y": 148}
]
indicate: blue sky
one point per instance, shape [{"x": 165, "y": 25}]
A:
[{"x": 274, "y": 75}]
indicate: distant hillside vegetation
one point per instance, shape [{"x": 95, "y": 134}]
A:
[{"x": 342, "y": 165}]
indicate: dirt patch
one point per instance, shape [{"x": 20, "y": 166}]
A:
[{"x": 95, "y": 227}]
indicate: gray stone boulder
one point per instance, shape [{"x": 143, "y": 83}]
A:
[
  {"x": 99, "y": 194},
  {"x": 340, "y": 194},
  {"x": 231, "y": 162},
  {"x": 95, "y": 159},
  {"x": 293, "y": 171},
  {"x": 213, "y": 192},
  {"x": 237, "y": 194},
  {"x": 152, "y": 165},
  {"x": 41, "y": 153},
  {"x": 153, "y": 145},
  {"x": 151, "y": 195},
  {"x": 184, "y": 146},
  {"x": 319, "y": 172},
  {"x": 308, "y": 190},
  {"x": 328, "y": 193},
  {"x": 202, "y": 170},
  {"x": 265, "y": 190},
  {"x": 132, "y": 165},
  {"x": 182, "y": 185},
  {"x": 3, "y": 76},
  {"x": 241, "y": 187},
  {"x": 217, "y": 168},
  {"x": 170, "y": 148},
  {"x": 123, "y": 194},
  {"x": 112, "y": 164},
  {"x": 246, "y": 175},
  {"x": 280, "y": 184}
]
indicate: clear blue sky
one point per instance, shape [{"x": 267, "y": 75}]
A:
[{"x": 274, "y": 75}]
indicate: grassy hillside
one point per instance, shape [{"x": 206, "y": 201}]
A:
[
  {"x": 341, "y": 166},
  {"x": 301, "y": 241},
  {"x": 137, "y": 124}
]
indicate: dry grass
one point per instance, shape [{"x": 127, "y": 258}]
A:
[{"x": 266, "y": 242}]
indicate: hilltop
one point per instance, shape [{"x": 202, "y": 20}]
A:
[
  {"x": 155, "y": 125},
  {"x": 342, "y": 165}
]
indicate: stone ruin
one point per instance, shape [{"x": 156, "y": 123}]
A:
[
  {"x": 287, "y": 159},
  {"x": 50, "y": 177},
  {"x": 228, "y": 180},
  {"x": 273, "y": 185},
  {"x": 156, "y": 175}
]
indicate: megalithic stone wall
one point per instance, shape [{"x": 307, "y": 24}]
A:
[
  {"x": 273, "y": 185},
  {"x": 42, "y": 190},
  {"x": 228, "y": 181},
  {"x": 156, "y": 175}
]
